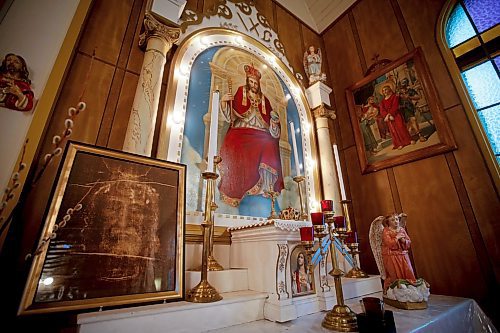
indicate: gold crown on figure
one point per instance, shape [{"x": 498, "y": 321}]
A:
[
  {"x": 290, "y": 213},
  {"x": 251, "y": 71}
]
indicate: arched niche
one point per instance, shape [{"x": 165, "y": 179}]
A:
[{"x": 228, "y": 50}]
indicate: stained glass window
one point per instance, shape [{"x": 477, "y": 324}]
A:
[
  {"x": 459, "y": 28},
  {"x": 483, "y": 84},
  {"x": 472, "y": 35},
  {"x": 490, "y": 118},
  {"x": 484, "y": 13}
]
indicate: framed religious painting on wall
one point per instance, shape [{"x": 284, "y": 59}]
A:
[
  {"x": 302, "y": 283},
  {"x": 113, "y": 233},
  {"x": 396, "y": 115}
]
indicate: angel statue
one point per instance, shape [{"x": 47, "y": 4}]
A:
[
  {"x": 312, "y": 65},
  {"x": 390, "y": 244}
]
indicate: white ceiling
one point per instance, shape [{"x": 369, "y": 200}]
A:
[{"x": 317, "y": 14}]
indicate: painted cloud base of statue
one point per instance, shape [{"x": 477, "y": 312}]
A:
[
  {"x": 312, "y": 65},
  {"x": 405, "y": 291},
  {"x": 390, "y": 244}
]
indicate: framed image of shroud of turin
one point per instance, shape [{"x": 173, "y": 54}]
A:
[{"x": 113, "y": 233}]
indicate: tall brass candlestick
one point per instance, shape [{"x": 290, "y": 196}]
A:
[
  {"x": 203, "y": 292},
  {"x": 310, "y": 269},
  {"x": 298, "y": 180},
  {"x": 340, "y": 318},
  {"x": 213, "y": 265},
  {"x": 355, "y": 272},
  {"x": 331, "y": 229},
  {"x": 345, "y": 209}
]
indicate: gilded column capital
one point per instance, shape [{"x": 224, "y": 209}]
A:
[
  {"x": 323, "y": 112},
  {"x": 154, "y": 28}
]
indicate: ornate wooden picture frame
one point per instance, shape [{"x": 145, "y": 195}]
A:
[
  {"x": 397, "y": 116},
  {"x": 113, "y": 233}
]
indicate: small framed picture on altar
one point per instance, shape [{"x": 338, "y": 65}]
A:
[
  {"x": 113, "y": 233},
  {"x": 396, "y": 115},
  {"x": 302, "y": 283}
]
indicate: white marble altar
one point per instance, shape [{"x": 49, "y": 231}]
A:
[
  {"x": 264, "y": 249},
  {"x": 444, "y": 314}
]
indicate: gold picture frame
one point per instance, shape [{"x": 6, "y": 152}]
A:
[
  {"x": 302, "y": 279},
  {"x": 113, "y": 233},
  {"x": 413, "y": 127}
]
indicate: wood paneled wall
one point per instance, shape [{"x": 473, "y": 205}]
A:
[
  {"x": 452, "y": 205},
  {"x": 453, "y": 208},
  {"x": 112, "y": 32}
]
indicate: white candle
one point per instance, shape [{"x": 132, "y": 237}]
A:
[
  {"x": 339, "y": 172},
  {"x": 295, "y": 153},
  {"x": 212, "y": 139}
]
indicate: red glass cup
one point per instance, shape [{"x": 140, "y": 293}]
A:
[
  {"x": 326, "y": 205},
  {"x": 307, "y": 234},
  {"x": 339, "y": 222},
  {"x": 352, "y": 237},
  {"x": 317, "y": 218}
]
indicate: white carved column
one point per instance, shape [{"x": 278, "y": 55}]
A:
[
  {"x": 328, "y": 169},
  {"x": 157, "y": 38},
  {"x": 318, "y": 96}
]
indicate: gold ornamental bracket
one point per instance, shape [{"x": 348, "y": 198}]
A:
[
  {"x": 154, "y": 28},
  {"x": 322, "y": 111},
  {"x": 237, "y": 15}
]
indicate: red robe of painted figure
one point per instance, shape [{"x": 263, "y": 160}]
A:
[
  {"x": 250, "y": 154},
  {"x": 397, "y": 127},
  {"x": 395, "y": 256},
  {"x": 10, "y": 100}
]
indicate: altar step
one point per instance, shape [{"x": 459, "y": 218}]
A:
[
  {"x": 228, "y": 280},
  {"x": 235, "y": 308},
  {"x": 353, "y": 288},
  {"x": 236, "y": 279}
]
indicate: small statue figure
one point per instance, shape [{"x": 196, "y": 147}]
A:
[
  {"x": 390, "y": 244},
  {"x": 312, "y": 65},
  {"x": 15, "y": 85}
]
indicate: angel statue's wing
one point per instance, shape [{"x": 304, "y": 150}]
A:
[
  {"x": 376, "y": 229},
  {"x": 306, "y": 65},
  {"x": 402, "y": 220},
  {"x": 320, "y": 58}
]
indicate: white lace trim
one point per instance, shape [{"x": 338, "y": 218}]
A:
[{"x": 287, "y": 225}]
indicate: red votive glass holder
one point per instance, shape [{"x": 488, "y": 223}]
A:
[
  {"x": 352, "y": 237},
  {"x": 326, "y": 205},
  {"x": 339, "y": 222},
  {"x": 307, "y": 234},
  {"x": 317, "y": 218}
]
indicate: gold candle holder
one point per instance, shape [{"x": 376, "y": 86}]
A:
[
  {"x": 341, "y": 318},
  {"x": 331, "y": 229},
  {"x": 272, "y": 194},
  {"x": 203, "y": 292},
  {"x": 308, "y": 246},
  {"x": 345, "y": 209},
  {"x": 298, "y": 180},
  {"x": 355, "y": 272},
  {"x": 213, "y": 265}
]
